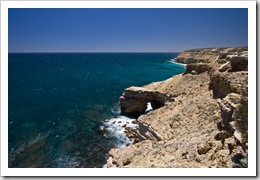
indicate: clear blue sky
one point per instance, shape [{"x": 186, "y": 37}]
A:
[{"x": 125, "y": 30}]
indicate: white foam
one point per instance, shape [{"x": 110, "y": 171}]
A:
[
  {"x": 174, "y": 62},
  {"x": 149, "y": 108},
  {"x": 114, "y": 129}
]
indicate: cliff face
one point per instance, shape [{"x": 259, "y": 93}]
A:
[
  {"x": 200, "y": 116},
  {"x": 134, "y": 100}
]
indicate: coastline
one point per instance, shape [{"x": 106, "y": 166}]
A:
[
  {"x": 174, "y": 62},
  {"x": 199, "y": 117},
  {"x": 76, "y": 94},
  {"x": 124, "y": 128}
]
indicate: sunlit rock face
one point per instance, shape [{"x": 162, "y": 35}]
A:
[{"x": 199, "y": 117}]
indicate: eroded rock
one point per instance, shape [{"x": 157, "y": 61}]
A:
[
  {"x": 203, "y": 148},
  {"x": 202, "y": 126},
  {"x": 225, "y": 67},
  {"x": 197, "y": 68},
  {"x": 134, "y": 100},
  {"x": 238, "y": 63},
  {"x": 233, "y": 114}
]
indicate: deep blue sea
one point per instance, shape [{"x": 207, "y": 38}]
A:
[{"x": 57, "y": 103}]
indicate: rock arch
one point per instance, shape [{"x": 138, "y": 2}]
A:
[{"x": 134, "y": 100}]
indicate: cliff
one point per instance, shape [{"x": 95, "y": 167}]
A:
[{"x": 199, "y": 117}]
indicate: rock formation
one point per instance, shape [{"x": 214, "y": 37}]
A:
[
  {"x": 199, "y": 117},
  {"x": 134, "y": 100}
]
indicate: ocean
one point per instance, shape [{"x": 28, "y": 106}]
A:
[{"x": 58, "y": 102}]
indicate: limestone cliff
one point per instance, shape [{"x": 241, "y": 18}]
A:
[
  {"x": 200, "y": 116},
  {"x": 133, "y": 101}
]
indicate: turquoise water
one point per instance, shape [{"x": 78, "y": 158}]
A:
[{"x": 58, "y": 101}]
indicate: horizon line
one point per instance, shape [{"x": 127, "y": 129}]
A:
[{"x": 105, "y": 52}]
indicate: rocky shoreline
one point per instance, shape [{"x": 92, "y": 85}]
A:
[{"x": 199, "y": 117}]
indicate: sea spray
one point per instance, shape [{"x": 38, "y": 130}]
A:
[
  {"x": 115, "y": 128},
  {"x": 174, "y": 62}
]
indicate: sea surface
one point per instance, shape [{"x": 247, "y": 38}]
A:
[{"x": 63, "y": 108}]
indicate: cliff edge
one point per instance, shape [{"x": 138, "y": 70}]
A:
[{"x": 199, "y": 117}]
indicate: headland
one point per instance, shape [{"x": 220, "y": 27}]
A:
[{"x": 199, "y": 118}]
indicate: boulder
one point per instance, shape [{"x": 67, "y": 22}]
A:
[
  {"x": 222, "y": 55},
  {"x": 146, "y": 131},
  {"x": 203, "y": 148},
  {"x": 238, "y": 63}
]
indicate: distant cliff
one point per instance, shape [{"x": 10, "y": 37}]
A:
[{"x": 199, "y": 117}]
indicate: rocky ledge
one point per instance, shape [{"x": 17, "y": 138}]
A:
[{"x": 199, "y": 117}]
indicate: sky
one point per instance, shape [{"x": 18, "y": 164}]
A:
[{"x": 125, "y": 29}]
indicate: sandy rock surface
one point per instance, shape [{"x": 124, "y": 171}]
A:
[{"x": 201, "y": 117}]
